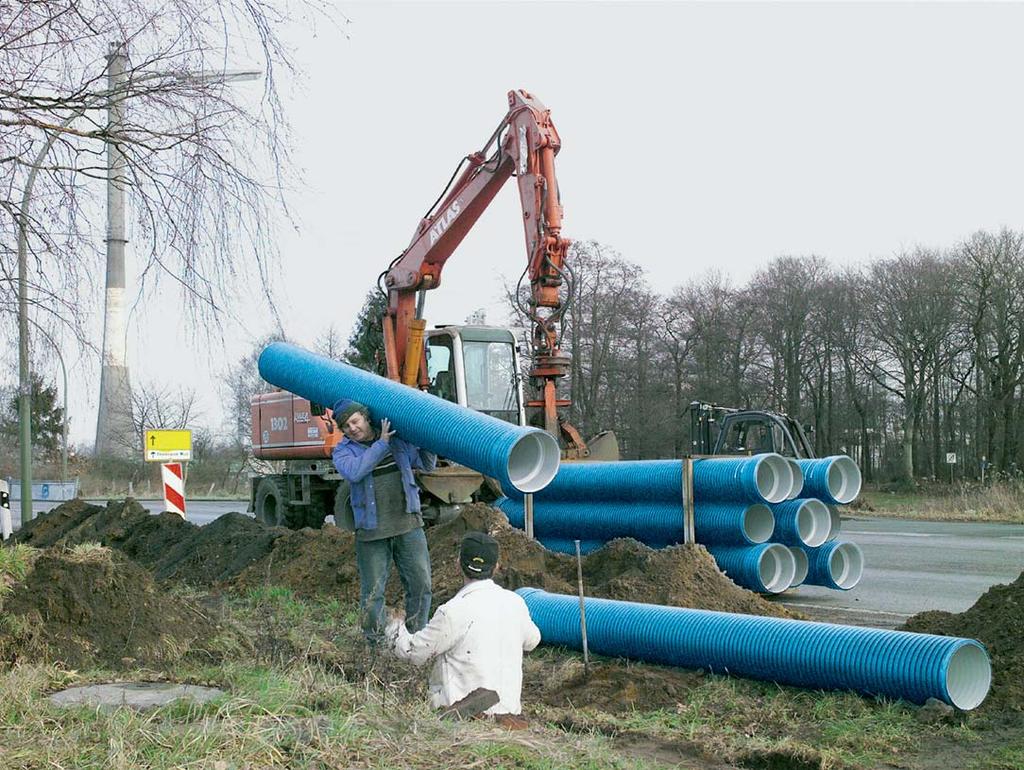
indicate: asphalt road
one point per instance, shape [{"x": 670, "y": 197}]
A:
[{"x": 910, "y": 566}]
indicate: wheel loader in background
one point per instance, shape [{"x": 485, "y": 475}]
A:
[{"x": 724, "y": 430}]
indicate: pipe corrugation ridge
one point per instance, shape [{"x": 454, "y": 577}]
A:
[
  {"x": 873, "y": 661},
  {"x": 798, "y": 479},
  {"x": 824, "y": 564},
  {"x": 802, "y": 562},
  {"x": 743, "y": 565},
  {"x": 471, "y": 438},
  {"x": 834, "y": 479},
  {"x": 836, "y": 522},
  {"x": 715, "y": 479},
  {"x": 599, "y": 520},
  {"x": 724, "y": 524}
]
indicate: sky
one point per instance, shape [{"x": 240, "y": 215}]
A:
[{"x": 694, "y": 137}]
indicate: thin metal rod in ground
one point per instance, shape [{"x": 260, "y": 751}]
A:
[{"x": 583, "y": 611}]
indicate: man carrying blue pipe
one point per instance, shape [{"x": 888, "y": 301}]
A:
[{"x": 383, "y": 509}]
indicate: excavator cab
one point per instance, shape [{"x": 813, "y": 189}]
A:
[
  {"x": 476, "y": 367},
  {"x": 722, "y": 430}
]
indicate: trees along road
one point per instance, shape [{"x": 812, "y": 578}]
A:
[{"x": 910, "y": 566}]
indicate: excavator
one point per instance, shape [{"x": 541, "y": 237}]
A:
[{"x": 474, "y": 366}]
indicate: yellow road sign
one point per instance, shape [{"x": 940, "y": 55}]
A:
[{"x": 163, "y": 445}]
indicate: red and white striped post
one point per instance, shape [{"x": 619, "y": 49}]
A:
[{"x": 174, "y": 488}]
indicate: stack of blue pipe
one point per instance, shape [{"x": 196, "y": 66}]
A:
[
  {"x": 742, "y": 518},
  {"x": 809, "y": 524}
]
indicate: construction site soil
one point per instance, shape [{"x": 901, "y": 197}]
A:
[
  {"x": 90, "y": 606},
  {"x": 113, "y": 597},
  {"x": 109, "y": 611},
  {"x": 996, "y": 620}
]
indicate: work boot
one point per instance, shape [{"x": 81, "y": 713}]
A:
[{"x": 477, "y": 702}]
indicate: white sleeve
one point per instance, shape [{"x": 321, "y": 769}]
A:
[{"x": 436, "y": 638}]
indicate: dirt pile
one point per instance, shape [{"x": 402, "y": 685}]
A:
[
  {"x": 236, "y": 549},
  {"x": 217, "y": 552},
  {"x": 681, "y": 576},
  {"x": 996, "y": 620},
  {"x": 91, "y": 606},
  {"x": 312, "y": 562},
  {"x": 613, "y": 686},
  {"x": 150, "y": 539},
  {"x": 76, "y": 522}
]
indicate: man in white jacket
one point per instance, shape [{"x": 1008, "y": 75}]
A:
[{"x": 476, "y": 639}]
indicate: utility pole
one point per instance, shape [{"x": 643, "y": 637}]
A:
[{"x": 114, "y": 424}]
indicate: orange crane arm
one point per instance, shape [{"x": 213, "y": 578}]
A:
[{"x": 526, "y": 143}]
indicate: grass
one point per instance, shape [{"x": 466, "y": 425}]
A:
[
  {"x": 996, "y": 502},
  {"x": 305, "y": 694},
  {"x": 743, "y": 719}
]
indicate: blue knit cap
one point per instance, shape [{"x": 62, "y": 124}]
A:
[{"x": 345, "y": 407}]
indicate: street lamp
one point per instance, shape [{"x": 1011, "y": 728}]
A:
[{"x": 64, "y": 421}]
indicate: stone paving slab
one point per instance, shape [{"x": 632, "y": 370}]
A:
[{"x": 137, "y": 695}]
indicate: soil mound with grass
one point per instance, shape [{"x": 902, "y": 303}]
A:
[
  {"x": 92, "y": 607},
  {"x": 996, "y": 620}
]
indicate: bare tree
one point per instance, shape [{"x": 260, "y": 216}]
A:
[
  {"x": 330, "y": 344},
  {"x": 910, "y": 313},
  {"x": 160, "y": 407},
  {"x": 205, "y": 168},
  {"x": 239, "y": 383},
  {"x": 993, "y": 303}
]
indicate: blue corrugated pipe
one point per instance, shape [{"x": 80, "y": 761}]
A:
[
  {"x": 657, "y": 524},
  {"x": 766, "y": 478},
  {"x": 897, "y": 664},
  {"x": 836, "y": 564},
  {"x": 801, "y": 522},
  {"x": 607, "y": 520},
  {"x": 524, "y": 458},
  {"x": 732, "y": 523},
  {"x": 833, "y": 480},
  {"x": 768, "y": 567}
]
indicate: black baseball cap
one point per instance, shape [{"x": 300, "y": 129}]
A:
[{"x": 478, "y": 555}]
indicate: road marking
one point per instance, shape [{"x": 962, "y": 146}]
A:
[{"x": 846, "y": 609}]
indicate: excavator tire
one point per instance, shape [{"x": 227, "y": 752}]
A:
[
  {"x": 321, "y": 507},
  {"x": 272, "y": 506}
]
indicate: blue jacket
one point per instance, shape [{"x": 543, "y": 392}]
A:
[{"x": 355, "y": 462}]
